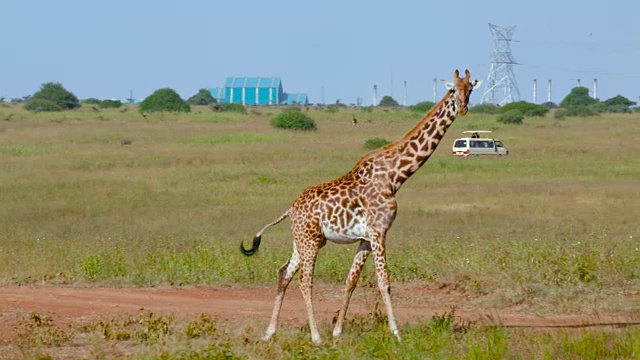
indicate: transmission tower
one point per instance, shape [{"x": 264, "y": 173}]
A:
[{"x": 502, "y": 87}]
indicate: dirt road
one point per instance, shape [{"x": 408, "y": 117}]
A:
[{"x": 68, "y": 305}]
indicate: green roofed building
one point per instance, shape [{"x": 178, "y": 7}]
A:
[{"x": 256, "y": 91}]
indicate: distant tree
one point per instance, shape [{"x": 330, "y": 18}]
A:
[
  {"x": 485, "y": 109},
  {"x": 57, "y": 94},
  {"x": 21, "y": 100},
  {"x": 576, "y": 111},
  {"x": 202, "y": 97},
  {"x": 41, "y": 105},
  {"x": 164, "y": 100},
  {"x": 597, "y": 108},
  {"x": 91, "y": 101},
  {"x": 388, "y": 101},
  {"x": 110, "y": 104},
  {"x": 526, "y": 108},
  {"x": 550, "y": 105},
  {"x": 239, "y": 108},
  {"x": 579, "y": 96},
  {"x": 422, "y": 107},
  {"x": 619, "y": 101}
]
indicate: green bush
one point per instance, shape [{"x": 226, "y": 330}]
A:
[
  {"x": 57, "y": 94},
  {"x": 579, "y": 96},
  {"x": 375, "y": 143},
  {"x": 550, "y": 105},
  {"x": 422, "y": 107},
  {"x": 484, "y": 109},
  {"x": 110, "y": 104},
  {"x": 388, "y": 101},
  {"x": 203, "y": 97},
  {"x": 599, "y": 108},
  {"x": 41, "y": 105},
  {"x": 513, "y": 116},
  {"x": 366, "y": 109},
  {"x": 91, "y": 101},
  {"x": 164, "y": 100},
  {"x": 581, "y": 111},
  {"x": 526, "y": 108},
  {"x": 293, "y": 119},
  {"x": 332, "y": 109},
  {"x": 239, "y": 108}
]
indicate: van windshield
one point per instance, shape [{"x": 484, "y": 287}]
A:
[{"x": 460, "y": 143}]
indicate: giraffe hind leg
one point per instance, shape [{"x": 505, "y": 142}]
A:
[
  {"x": 384, "y": 286},
  {"x": 309, "y": 247},
  {"x": 285, "y": 274}
]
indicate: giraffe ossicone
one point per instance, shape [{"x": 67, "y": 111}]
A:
[{"x": 360, "y": 206}]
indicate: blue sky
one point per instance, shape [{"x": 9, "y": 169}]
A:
[{"x": 328, "y": 49}]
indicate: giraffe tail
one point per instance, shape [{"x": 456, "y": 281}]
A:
[{"x": 257, "y": 238}]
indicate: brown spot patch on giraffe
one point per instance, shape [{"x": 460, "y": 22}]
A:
[{"x": 431, "y": 129}]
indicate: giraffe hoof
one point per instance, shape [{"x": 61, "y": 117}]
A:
[{"x": 397, "y": 334}]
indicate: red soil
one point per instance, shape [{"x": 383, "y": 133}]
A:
[{"x": 68, "y": 305}]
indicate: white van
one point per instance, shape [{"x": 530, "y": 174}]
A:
[{"x": 476, "y": 144}]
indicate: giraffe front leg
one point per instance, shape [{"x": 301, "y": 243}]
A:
[
  {"x": 354, "y": 274},
  {"x": 383, "y": 283},
  {"x": 285, "y": 274}
]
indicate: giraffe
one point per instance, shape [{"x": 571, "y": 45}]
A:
[{"x": 360, "y": 207}]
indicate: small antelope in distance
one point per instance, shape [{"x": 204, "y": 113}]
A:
[{"x": 360, "y": 207}]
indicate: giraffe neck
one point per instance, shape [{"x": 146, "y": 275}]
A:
[{"x": 407, "y": 155}]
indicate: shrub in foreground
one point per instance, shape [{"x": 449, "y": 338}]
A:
[
  {"x": 293, "y": 119},
  {"x": 512, "y": 116}
]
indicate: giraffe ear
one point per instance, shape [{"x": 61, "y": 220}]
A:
[
  {"x": 476, "y": 84},
  {"x": 448, "y": 84}
]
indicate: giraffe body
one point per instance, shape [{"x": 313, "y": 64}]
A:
[{"x": 360, "y": 206}]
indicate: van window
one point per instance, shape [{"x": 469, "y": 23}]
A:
[
  {"x": 488, "y": 144},
  {"x": 460, "y": 143}
]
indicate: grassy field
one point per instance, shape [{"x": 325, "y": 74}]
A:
[{"x": 554, "y": 225}]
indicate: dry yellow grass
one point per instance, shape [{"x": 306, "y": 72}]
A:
[{"x": 77, "y": 205}]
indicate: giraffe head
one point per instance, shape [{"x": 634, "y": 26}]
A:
[{"x": 461, "y": 88}]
